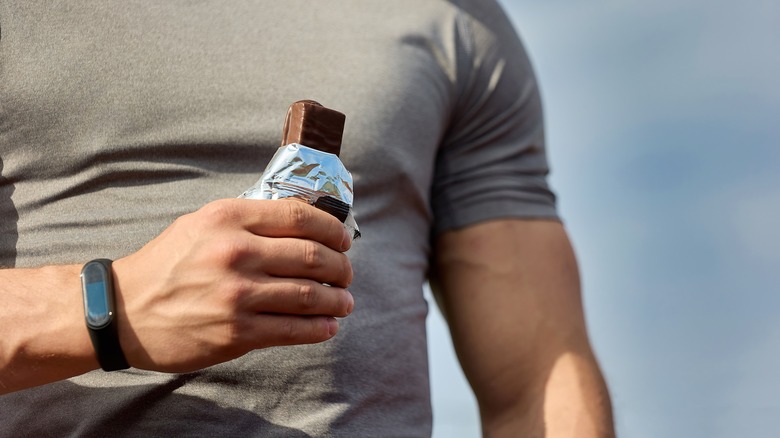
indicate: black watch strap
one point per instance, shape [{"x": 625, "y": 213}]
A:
[
  {"x": 109, "y": 352},
  {"x": 100, "y": 313}
]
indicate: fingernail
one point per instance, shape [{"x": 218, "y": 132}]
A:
[
  {"x": 346, "y": 242},
  {"x": 351, "y": 304},
  {"x": 333, "y": 326}
]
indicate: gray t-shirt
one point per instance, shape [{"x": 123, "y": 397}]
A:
[{"x": 116, "y": 117}]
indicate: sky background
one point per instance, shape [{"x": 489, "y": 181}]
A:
[{"x": 663, "y": 140}]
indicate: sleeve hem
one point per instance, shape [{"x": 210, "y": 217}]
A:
[{"x": 449, "y": 222}]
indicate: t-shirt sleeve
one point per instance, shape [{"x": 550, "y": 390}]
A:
[{"x": 492, "y": 162}]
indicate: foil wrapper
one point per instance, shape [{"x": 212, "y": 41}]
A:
[{"x": 316, "y": 177}]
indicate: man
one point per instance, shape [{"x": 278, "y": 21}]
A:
[{"x": 129, "y": 123}]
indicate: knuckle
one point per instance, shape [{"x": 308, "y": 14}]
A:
[
  {"x": 298, "y": 216},
  {"x": 183, "y": 223},
  {"x": 312, "y": 255},
  {"x": 301, "y": 331},
  {"x": 233, "y": 292},
  {"x": 307, "y": 296},
  {"x": 237, "y": 338},
  {"x": 287, "y": 331},
  {"x": 218, "y": 213},
  {"x": 230, "y": 252},
  {"x": 234, "y": 333}
]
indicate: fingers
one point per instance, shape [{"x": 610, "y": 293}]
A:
[
  {"x": 275, "y": 330},
  {"x": 233, "y": 276},
  {"x": 280, "y": 219},
  {"x": 298, "y": 297},
  {"x": 297, "y": 258}
]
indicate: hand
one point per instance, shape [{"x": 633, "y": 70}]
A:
[{"x": 234, "y": 276}]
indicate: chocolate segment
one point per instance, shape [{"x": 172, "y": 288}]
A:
[
  {"x": 336, "y": 207},
  {"x": 311, "y": 124}
]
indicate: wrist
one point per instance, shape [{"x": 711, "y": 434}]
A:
[
  {"x": 67, "y": 337},
  {"x": 44, "y": 336},
  {"x": 97, "y": 282}
]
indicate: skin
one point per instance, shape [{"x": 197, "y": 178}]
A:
[
  {"x": 206, "y": 291},
  {"x": 511, "y": 294},
  {"x": 234, "y": 276}
]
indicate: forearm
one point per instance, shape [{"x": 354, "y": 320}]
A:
[
  {"x": 43, "y": 336},
  {"x": 510, "y": 290},
  {"x": 576, "y": 401},
  {"x": 235, "y": 276},
  {"x": 572, "y": 401}
]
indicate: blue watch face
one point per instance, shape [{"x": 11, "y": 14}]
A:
[
  {"x": 97, "y": 308},
  {"x": 96, "y": 305}
]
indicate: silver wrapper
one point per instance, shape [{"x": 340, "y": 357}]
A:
[{"x": 308, "y": 174}]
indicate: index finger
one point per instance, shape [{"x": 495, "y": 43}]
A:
[{"x": 283, "y": 218}]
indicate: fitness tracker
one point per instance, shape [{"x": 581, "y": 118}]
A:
[{"x": 97, "y": 287}]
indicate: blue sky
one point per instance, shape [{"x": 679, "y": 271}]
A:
[{"x": 664, "y": 149}]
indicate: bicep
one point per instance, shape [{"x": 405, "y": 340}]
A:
[{"x": 510, "y": 292}]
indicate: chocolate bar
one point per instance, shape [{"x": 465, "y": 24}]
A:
[
  {"x": 307, "y": 166},
  {"x": 310, "y": 124}
]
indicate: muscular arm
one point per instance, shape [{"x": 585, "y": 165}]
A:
[
  {"x": 236, "y": 275},
  {"x": 510, "y": 292}
]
